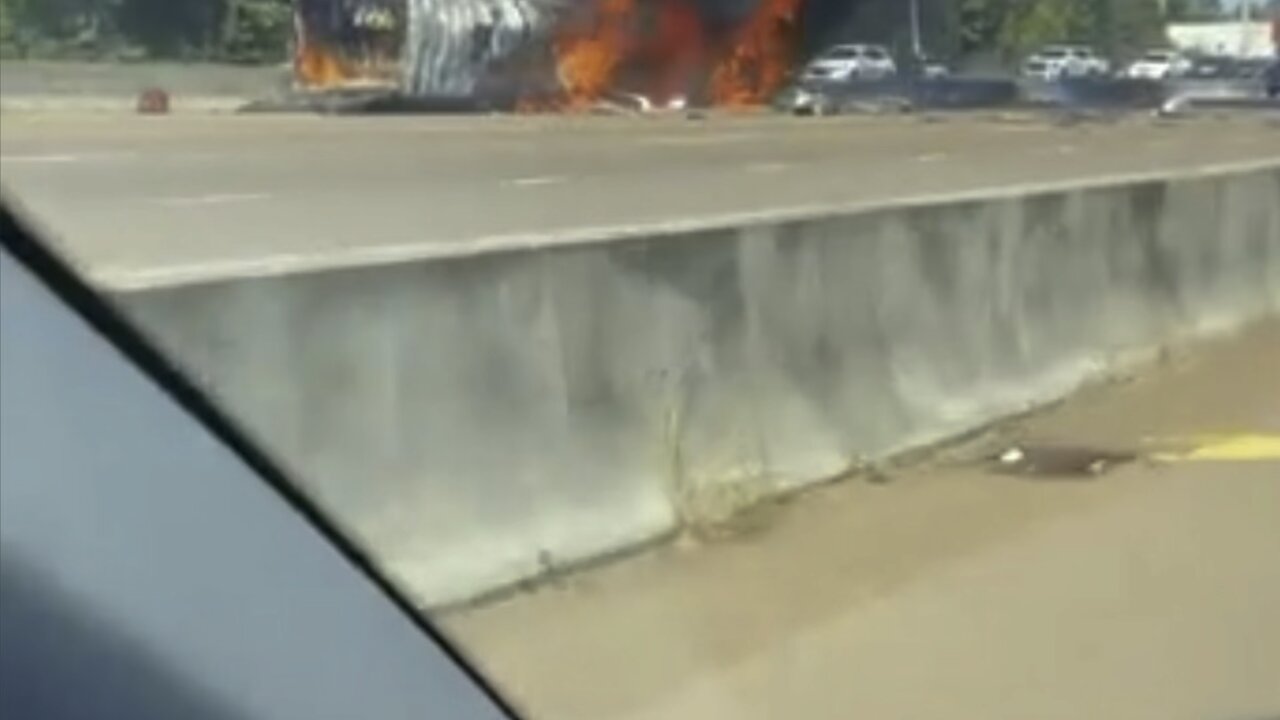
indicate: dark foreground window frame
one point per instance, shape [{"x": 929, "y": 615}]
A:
[{"x": 51, "y": 651}]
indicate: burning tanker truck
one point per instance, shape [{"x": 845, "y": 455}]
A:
[{"x": 551, "y": 54}]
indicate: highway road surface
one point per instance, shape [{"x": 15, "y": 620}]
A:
[
  {"x": 170, "y": 197},
  {"x": 942, "y": 590},
  {"x": 946, "y": 591}
]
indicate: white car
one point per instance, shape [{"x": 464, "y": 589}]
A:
[
  {"x": 1159, "y": 65},
  {"x": 1055, "y": 62},
  {"x": 851, "y": 62},
  {"x": 933, "y": 68}
]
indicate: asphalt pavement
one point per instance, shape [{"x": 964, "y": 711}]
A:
[
  {"x": 143, "y": 199},
  {"x": 945, "y": 590}
]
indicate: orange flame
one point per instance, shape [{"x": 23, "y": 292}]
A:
[
  {"x": 316, "y": 67},
  {"x": 675, "y": 54},
  {"x": 588, "y": 54},
  {"x": 320, "y": 63},
  {"x": 660, "y": 50},
  {"x": 759, "y": 58}
]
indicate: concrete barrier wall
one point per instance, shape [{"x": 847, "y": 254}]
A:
[{"x": 478, "y": 419}]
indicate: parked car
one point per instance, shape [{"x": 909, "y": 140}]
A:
[
  {"x": 1263, "y": 71},
  {"x": 924, "y": 66},
  {"x": 931, "y": 67},
  {"x": 1159, "y": 64},
  {"x": 1214, "y": 67},
  {"x": 851, "y": 62},
  {"x": 1055, "y": 62}
]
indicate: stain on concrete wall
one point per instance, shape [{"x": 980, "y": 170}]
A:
[{"x": 469, "y": 418}]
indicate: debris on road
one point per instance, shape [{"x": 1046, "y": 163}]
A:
[
  {"x": 1059, "y": 462},
  {"x": 153, "y": 101}
]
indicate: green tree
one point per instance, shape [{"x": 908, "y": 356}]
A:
[
  {"x": 255, "y": 30},
  {"x": 1134, "y": 25},
  {"x": 79, "y": 22},
  {"x": 1015, "y": 27},
  {"x": 6, "y": 23},
  {"x": 172, "y": 28},
  {"x": 71, "y": 27},
  {"x": 1028, "y": 25},
  {"x": 239, "y": 30},
  {"x": 1197, "y": 10},
  {"x": 980, "y": 23}
]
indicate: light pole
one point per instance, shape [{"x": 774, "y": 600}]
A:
[
  {"x": 917, "y": 48},
  {"x": 1245, "y": 7}
]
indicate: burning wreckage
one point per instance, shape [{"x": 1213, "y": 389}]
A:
[{"x": 550, "y": 55}]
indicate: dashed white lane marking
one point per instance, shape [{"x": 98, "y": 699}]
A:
[
  {"x": 709, "y": 139},
  {"x": 536, "y": 181},
  {"x": 766, "y": 167},
  {"x": 1022, "y": 128},
  {"x": 931, "y": 157},
  {"x": 216, "y": 199},
  {"x": 373, "y": 255},
  {"x": 40, "y": 159},
  {"x": 53, "y": 159},
  {"x": 107, "y": 157}
]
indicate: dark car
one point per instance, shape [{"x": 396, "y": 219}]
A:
[
  {"x": 1264, "y": 71},
  {"x": 1214, "y": 68}
]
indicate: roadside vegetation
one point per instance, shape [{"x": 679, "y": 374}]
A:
[
  {"x": 257, "y": 31},
  {"x": 238, "y": 31},
  {"x": 1000, "y": 32}
]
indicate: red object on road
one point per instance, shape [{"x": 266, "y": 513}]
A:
[{"x": 153, "y": 101}]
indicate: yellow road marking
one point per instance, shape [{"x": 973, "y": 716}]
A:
[{"x": 1228, "y": 448}]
